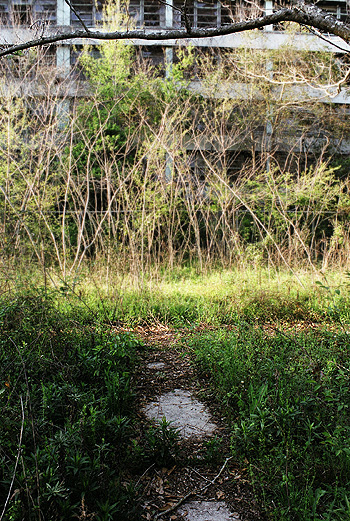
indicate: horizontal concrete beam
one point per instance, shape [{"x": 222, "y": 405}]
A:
[
  {"x": 280, "y": 93},
  {"x": 259, "y": 143},
  {"x": 262, "y": 40},
  {"x": 240, "y": 91}
]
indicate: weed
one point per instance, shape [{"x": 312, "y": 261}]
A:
[
  {"x": 213, "y": 450},
  {"x": 162, "y": 443},
  {"x": 67, "y": 397},
  {"x": 74, "y": 385},
  {"x": 288, "y": 398}
]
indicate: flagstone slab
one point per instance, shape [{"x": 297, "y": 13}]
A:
[
  {"x": 156, "y": 365},
  {"x": 207, "y": 511},
  {"x": 184, "y": 412}
]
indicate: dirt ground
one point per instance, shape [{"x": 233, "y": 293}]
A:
[{"x": 197, "y": 474}]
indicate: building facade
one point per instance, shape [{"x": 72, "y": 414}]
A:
[
  {"x": 17, "y": 16},
  {"x": 22, "y": 19}
]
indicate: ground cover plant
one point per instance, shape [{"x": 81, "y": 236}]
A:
[
  {"x": 276, "y": 353},
  {"x": 288, "y": 399},
  {"x": 66, "y": 408}
]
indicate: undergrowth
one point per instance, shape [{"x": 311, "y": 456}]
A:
[
  {"x": 66, "y": 404},
  {"x": 70, "y": 440},
  {"x": 288, "y": 399}
]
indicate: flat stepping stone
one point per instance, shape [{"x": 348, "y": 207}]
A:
[
  {"x": 184, "y": 412},
  {"x": 207, "y": 511},
  {"x": 156, "y": 365}
]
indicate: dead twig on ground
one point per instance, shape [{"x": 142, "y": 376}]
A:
[
  {"x": 144, "y": 474},
  {"x": 193, "y": 492},
  {"x": 19, "y": 451}
]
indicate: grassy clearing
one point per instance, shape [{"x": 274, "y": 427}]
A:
[
  {"x": 70, "y": 436},
  {"x": 184, "y": 297}
]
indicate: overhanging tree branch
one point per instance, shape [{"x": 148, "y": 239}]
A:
[
  {"x": 71, "y": 6},
  {"x": 306, "y": 15}
]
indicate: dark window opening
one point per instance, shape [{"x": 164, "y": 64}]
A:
[
  {"x": 85, "y": 10},
  {"x": 3, "y": 15},
  {"x": 45, "y": 11},
  {"x": 154, "y": 14},
  {"x": 22, "y": 14}
]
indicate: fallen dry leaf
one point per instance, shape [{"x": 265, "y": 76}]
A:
[{"x": 166, "y": 507}]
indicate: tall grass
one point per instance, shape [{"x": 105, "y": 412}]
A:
[{"x": 186, "y": 296}]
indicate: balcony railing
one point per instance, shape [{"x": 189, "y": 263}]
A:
[
  {"x": 23, "y": 14},
  {"x": 90, "y": 12},
  {"x": 151, "y": 14}
]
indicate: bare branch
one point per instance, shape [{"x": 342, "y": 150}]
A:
[
  {"x": 306, "y": 15},
  {"x": 77, "y": 15},
  {"x": 193, "y": 492}
]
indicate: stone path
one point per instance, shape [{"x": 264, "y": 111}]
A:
[
  {"x": 193, "y": 420},
  {"x": 185, "y": 413},
  {"x": 195, "y": 488},
  {"x": 207, "y": 511}
]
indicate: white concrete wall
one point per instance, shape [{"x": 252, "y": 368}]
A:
[{"x": 63, "y": 13}]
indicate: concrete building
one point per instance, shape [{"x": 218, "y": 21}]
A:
[
  {"x": 18, "y": 17},
  {"x": 21, "y": 18}
]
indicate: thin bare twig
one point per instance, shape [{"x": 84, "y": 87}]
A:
[
  {"x": 77, "y": 15},
  {"x": 17, "y": 460},
  {"x": 321, "y": 36},
  {"x": 163, "y": 2},
  {"x": 144, "y": 474},
  {"x": 198, "y": 474},
  {"x": 186, "y": 19},
  {"x": 193, "y": 492}
]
